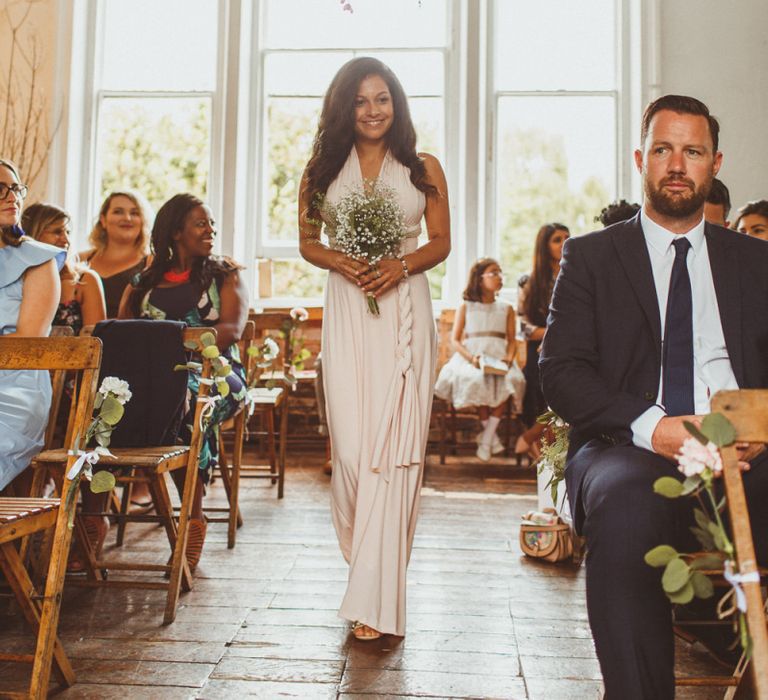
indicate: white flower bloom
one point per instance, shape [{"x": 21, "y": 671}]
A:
[
  {"x": 117, "y": 387},
  {"x": 694, "y": 457},
  {"x": 270, "y": 349},
  {"x": 299, "y": 313}
]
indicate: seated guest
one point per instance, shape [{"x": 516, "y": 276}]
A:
[
  {"x": 753, "y": 219},
  {"x": 532, "y": 305},
  {"x": 119, "y": 244},
  {"x": 718, "y": 204},
  {"x": 617, "y": 211},
  {"x": 82, "y": 297},
  {"x": 649, "y": 318},
  {"x": 29, "y": 293},
  {"x": 185, "y": 282},
  {"x": 484, "y": 329}
]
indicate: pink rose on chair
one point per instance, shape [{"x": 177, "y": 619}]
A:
[{"x": 694, "y": 458}]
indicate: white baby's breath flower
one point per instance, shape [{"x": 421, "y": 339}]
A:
[
  {"x": 117, "y": 387},
  {"x": 694, "y": 458}
]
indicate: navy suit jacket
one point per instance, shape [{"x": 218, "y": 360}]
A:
[{"x": 601, "y": 357}]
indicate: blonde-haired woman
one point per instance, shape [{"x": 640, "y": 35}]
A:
[
  {"x": 82, "y": 298},
  {"x": 119, "y": 244}
]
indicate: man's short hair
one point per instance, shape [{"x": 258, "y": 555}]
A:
[
  {"x": 718, "y": 194},
  {"x": 682, "y": 105},
  {"x": 617, "y": 211}
]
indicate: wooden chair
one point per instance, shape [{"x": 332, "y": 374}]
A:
[
  {"x": 747, "y": 410},
  {"x": 268, "y": 401},
  {"x": 21, "y": 517},
  {"x": 150, "y": 464},
  {"x": 230, "y": 475}
]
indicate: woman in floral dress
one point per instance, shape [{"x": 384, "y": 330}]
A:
[{"x": 185, "y": 282}]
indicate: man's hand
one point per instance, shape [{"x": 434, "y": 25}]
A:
[{"x": 670, "y": 433}]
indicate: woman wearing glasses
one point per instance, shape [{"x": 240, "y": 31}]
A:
[
  {"x": 482, "y": 372},
  {"x": 29, "y": 294}
]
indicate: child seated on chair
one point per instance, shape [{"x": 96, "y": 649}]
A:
[{"x": 483, "y": 371}]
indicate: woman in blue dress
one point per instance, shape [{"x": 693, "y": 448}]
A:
[
  {"x": 29, "y": 295},
  {"x": 185, "y": 282}
]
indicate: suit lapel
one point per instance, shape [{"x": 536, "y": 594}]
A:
[
  {"x": 633, "y": 253},
  {"x": 725, "y": 274}
]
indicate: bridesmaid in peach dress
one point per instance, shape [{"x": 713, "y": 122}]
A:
[{"x": 378, "y": 370}]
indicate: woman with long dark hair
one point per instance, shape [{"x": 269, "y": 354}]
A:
[
  {"x": 185, "y": 282},
  {"x": 378, "y": 370},
  {"x": 533, "y": 307}
]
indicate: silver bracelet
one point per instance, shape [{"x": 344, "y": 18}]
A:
[{"x": 405, "y": 267}]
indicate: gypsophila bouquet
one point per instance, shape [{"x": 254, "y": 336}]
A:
[{"x": 367, "y": 225}]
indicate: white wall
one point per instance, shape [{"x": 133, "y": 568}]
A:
[{"x": 717, "y": 50}]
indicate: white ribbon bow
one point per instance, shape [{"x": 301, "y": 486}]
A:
[
  {"x": 209, "y": 403},
  {"x": 250, "y": 400},
  {"x": 736, "y": 590},
  {"x": 82, "y": 458}
]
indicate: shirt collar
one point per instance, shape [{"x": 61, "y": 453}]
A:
[{"x": 661, "y": 239}]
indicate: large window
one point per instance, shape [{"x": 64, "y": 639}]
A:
[
  {"x": 155, "y": 98},
  {"x": 299, "y": 60},
  {"x": 555, "y": 98},
  {"x": 530, "y": 119}
]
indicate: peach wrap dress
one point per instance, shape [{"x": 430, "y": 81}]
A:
[{"x": 378, "y": 379}]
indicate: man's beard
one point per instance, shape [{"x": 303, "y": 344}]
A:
[{"x": 677, "y": 205}]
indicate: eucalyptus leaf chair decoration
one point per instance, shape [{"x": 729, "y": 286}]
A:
[
  {"x": 22, "y": 517},
  {"x": 230, "y": 474},
  {"x": 736, "y": 417},
  {"x": 150, "y": 463}
]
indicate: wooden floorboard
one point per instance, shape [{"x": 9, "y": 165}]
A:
[{"x": 261, "y": 621}]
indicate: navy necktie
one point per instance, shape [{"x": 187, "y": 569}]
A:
[{"x": 678, "y": 337}]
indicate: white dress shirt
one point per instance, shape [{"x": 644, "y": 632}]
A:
[{"x": 712, "y": 369}]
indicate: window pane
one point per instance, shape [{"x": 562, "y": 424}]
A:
[
  {"x": 555, "y": 161},
  {"x": 555, "y": 45},
  {"x": 419, "y": 72},
  {"x": 324, "y": 24},
  {"x": 297, "y": 278},
  {"x": 291, "y": 126},
  {"x": 428, "y": 115},
  {"x": 305, "y": 73},
  {"x": 168, "y": 45},
  {"x": 158, "y": 146}
]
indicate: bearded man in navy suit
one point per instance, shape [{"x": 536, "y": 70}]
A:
[{"x": 649, "y": 318}]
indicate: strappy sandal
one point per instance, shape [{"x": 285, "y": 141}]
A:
[
  {"x": 364, "y": 633},
  {"x": 195, "y": 541}
]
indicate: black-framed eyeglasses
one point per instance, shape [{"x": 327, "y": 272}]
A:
[{"x": 19, "y": 190}]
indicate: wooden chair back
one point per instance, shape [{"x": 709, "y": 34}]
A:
[
  {"x": 274, "y": 323},
  {"x": 747, "y": 410},
  {"x": 58, "y": 355},
  {"x": 444, "y": 331},
  {"x": 58, "y": 381}
]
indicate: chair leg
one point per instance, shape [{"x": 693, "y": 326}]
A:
[
  {"x": 48, "y": 641},
  {"x": 271, "y": 450},
  {"x": 283, "y": 441},
  {"x": 454, "y": 435},
  {"x": 443, "y": 418},
  {"x": 125, "y": 504},
  {"x": 164, "y": 508},
  {"x": 179, "y": 566},
  {"x": 235, "y": 518}
]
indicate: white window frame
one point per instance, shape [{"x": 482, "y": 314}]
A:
[{"x": 238, "y": 129}]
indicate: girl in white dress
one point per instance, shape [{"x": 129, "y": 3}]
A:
[
  {"x": 378, "y": 371},
  {"x": 483, "y": 332}
]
